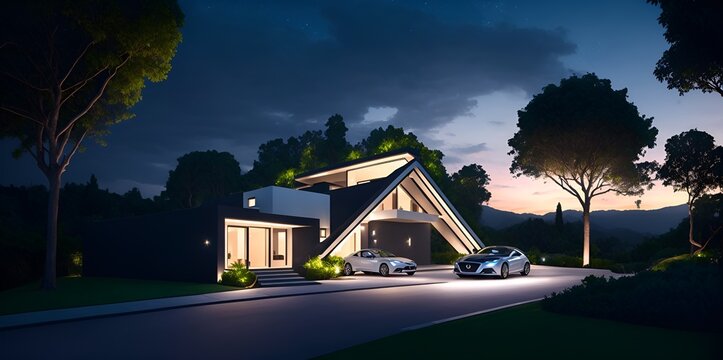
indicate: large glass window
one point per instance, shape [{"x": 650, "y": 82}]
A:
[
  {"x": 279, "y": 248},
  {"x": 235, "y": 245}
]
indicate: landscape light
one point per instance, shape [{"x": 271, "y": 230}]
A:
[
  {"x": 206, "y": 242},
  {"x": 543, "y": 259}
]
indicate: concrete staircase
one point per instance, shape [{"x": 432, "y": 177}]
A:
[{"x": 280, "y": 277}]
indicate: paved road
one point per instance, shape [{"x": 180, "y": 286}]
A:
[{"x": 281, "y": 328}]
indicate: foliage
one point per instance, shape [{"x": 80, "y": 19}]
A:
[
  {"x": 392, "y": 138},
  {"x": 445, "y": 258},
  {"x": 685, "y": 296},
  {"x": 468, "y": 191},
  {"x": 704, "y": 257},
  {"x": 694, "y": 164},
  {"x": 238, "y": 276},
  {"x": 70, "y": 70},
  {"x": 317, "y": 268},
  {"x": 22, "y": 214},
  {"x": 559, "y": 221},
  {"x": 201, "y": 176},
  {"x": 586, "y": 138},
  {"x": 694, "y": 60}
]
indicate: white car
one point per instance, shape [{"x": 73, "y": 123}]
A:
[{"x": 378, "y": 261}]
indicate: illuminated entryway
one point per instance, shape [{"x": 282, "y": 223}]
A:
[{"x": 258, "y": 245}]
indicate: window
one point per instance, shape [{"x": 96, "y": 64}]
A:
[
  {"x": 252, "y": 202},
  {"x": 322, "y": 232}
]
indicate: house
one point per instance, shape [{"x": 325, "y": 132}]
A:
[{"x": 386, "y": 201}]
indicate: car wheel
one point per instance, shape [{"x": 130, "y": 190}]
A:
[
  {"x": 411, "y": 273},
  {"x": 384, "y": 270},
  {"x": 525, "y": 269},
  {"x": 505, "y": 271},
  {"x": 348, "y": 271}
]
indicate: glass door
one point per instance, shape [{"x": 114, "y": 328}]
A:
[
  {"x": 258, "y": 247},
  {"x": 235, "y": 245},
  {"x": 279, "y": 248}
]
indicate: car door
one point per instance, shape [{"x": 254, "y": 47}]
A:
[
  {"x": 365, "y": 260},
  {"x": 515, "y": 261}
]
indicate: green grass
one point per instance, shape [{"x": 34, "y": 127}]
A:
[
  {"x": 527, "y": 332},
  {"x": 81, "y": 291}
]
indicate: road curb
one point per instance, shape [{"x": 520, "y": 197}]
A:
[
  {"x": 463, "y": 316},
  {"x": 19, "y": 325}
]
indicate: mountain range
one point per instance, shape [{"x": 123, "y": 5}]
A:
[{"x": 644, "y": 222}]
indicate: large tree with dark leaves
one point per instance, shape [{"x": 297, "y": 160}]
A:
[
  {"x": 694, "y": 29},
  {"x": 69, "y": 70},
  {"x": 201, "y": 176},
  {"x": 693, "y": 163},
  {"x": 586, "y": 138}
]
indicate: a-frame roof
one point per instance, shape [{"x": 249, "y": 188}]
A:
[{"x": 451, "y": 224}]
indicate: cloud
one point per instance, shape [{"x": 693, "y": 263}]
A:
[
  {"x": 470, "y": 148},
  {"x": 251, "y": 71}
]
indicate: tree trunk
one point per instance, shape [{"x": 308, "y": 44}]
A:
[
  {"x": 694, "y": 245},
  {"x": 52, "y": 234},
  {"x": 586, "y": 234}
]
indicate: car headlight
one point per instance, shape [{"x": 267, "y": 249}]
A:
[{"x": 395, "y": 262}]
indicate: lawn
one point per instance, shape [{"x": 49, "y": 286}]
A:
[
  {"x": 81, "y": 291},
  {"x": 529, "y": 332}
]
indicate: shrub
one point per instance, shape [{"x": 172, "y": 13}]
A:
[
  {"x": 239, "y": 276},
  {"x": 685, "y": 296},
  {"x": 323, "y": 269},
  {"x": 446, "y": 258},
  {"x": 75, "y": 268}
]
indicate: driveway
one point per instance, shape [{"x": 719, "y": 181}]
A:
[{"x": 290, "y": 327}]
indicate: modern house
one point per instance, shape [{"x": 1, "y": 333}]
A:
[{"x": 386, "y": 201}]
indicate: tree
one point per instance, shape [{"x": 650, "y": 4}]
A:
[
  {"x": 201, "y": 176},
  {"x": 469, "y": 191},
  {"x": 335, "y": 147},
  {"x": 692, "y": 164},
  {"x": 69, "y": 70},
  {"x": 392, "y": 138},
  {"x": 559, "y": 222},
  {"x": 694, "y": 60},
  {"x": 586, "y": 138}
]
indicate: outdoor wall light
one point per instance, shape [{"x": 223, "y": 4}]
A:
[
  {"x": 375, "y": 241},
  {"x": 374, "y": 232},
  {"x": 409, "y": 242}
]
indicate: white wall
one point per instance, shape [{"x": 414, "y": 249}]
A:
[{"x": 285, "y": 201}]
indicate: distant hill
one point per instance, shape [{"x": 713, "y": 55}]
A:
[{"x": 645, "y": 222}]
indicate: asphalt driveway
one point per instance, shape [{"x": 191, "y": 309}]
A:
[{"x": 289, "y": 327}]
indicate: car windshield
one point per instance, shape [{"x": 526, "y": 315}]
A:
[
  {"x": 494, "y": 250},
  {"x": 383, "y": 253}
]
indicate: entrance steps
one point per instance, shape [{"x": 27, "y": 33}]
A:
[{"x": 280, "y": 277}]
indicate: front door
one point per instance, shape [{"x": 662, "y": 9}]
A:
[{"x": 259, "y": 248}]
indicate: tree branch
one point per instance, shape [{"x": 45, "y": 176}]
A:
[
  {"x": 95, "y": 99},
  {"x": 26, "y": 83},
  {"x": 66, "y": 158},
  {"x": 28, "y": 117},
  {"x": 75, "y": 63}
]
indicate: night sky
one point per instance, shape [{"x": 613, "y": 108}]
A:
[{"x": 455, "y": 75}]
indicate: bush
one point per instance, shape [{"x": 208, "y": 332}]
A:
[
  {"x": 239, "y": 276},
  {"x": 685, "y": 296},
  {"x": 446, "y": 258},
  {"x": 702, "y": 258},
  {"x": 323, "y": 269}
]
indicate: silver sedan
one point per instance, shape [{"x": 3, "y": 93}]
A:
[
  {"x": 493, "y": 261},
  {"x": 378, "y": 261}
]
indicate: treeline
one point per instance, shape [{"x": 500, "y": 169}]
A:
[
  {"x": 561, "y": 243},
  {"x": 201, "y": 176}
]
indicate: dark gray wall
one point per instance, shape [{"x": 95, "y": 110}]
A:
[
  {"x": 163, "y": 246},
  {"x": 392, "y": 236},
  {"x": 305, "y": 242}
]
